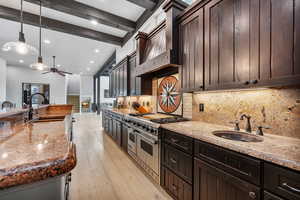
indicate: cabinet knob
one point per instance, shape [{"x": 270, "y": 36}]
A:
[{"x": 252, "y": 195}]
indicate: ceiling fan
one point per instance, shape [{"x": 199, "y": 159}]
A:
[{"x": 55, "y": 70}]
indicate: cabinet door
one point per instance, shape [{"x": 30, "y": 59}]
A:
[
  {"x": 124, "y": 137},
  {"x": 126, "y": 85},
  {"x": 231, "y": 43},
  {"x": 118, "y": 133},
  {"x": 269, "y": 196},
  {"x": 212, "y": 183},
  {"x": 192, "y": 52},
  {"x": 279, "y": 43},
  {"x": 134, "y": 81},
  {"x": 175, "y": 186}
]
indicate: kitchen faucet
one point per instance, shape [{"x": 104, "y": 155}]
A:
[
  {"x": 248, "y": 124},
  {"x": 30, "y": 114}
]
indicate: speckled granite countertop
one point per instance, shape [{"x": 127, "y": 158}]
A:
[
  {"x": 35, "y": 151},
  {"x": 280, "y": 150}
]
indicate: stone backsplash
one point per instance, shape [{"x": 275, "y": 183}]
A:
[{"x": 278, "y": 108}]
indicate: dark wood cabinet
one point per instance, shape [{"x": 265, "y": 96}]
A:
[
  {"x": 282, "y": 181},
  {"x": 124, "y": 137},
  {"x": 178, "y": 141},
  {"x": 118, "y": 136},
  {"x": 175, "y": 186},
  {"x": 269, "y": 196},
  {"x": 191, "y": 33},
  {"x": 179, "y": 162},
  {"x": 213, "y": 183}
]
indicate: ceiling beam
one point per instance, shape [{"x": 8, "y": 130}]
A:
[
  {"x": 147, "y": 4},
  {"x": 107, "y": 66},
  {"x": 14, "y": 15},
  {"x": 88, "y": 12},
  {"x": 142, "y": 19}
]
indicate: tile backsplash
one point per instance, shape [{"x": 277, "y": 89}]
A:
[{"x": 278, "y": 108}]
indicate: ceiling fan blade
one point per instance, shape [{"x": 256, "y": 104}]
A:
[
  {"x": 66, "y": 72},
  {"x": 60, "y": 73},
  {"x": 46, "y": 72}
]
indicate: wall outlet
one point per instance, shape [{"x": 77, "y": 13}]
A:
[{"x": 201, "y": 107}]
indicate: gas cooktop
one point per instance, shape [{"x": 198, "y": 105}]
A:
[{"x": 169, "y": 120}]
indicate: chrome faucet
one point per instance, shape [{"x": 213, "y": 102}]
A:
[
  {"x": 248, "y": 124},
  {"x": 30, "y": 113}
]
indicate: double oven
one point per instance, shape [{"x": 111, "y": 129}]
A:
[{"x": 144, "y": 148}]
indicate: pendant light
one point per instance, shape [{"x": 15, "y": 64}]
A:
[
  {"x": 40, "y": 65},
  {"x": 20, "y": 46}
]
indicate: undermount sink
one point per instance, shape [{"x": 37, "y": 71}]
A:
[{"x": 238, "y": 136}]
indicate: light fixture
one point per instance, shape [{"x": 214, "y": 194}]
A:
[
  {"x": 46, "y": 41},
  {"x": 40, "y": 65},
  {"x": 92, "y": 62},
  {"x": 21, "y": 61},
  {"x": 58, "y": 65},
  {"x": 20, "y": 46},
  {"x": 88, "y": 69},
  {"x": 94, "y": 22},
  {"x": 97, "y": 51}
]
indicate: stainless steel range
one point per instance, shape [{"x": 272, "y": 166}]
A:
[{"x": 144, "y": 143}]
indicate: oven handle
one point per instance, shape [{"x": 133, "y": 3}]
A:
[{"x": 147, "y": 139}]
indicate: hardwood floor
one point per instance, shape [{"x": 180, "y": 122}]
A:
[{"x": 104, "y": 171}]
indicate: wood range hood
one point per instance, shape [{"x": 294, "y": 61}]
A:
[{"x": 157, "y": 52}]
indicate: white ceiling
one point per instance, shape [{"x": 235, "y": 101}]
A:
[{"x": 73, "y": 53}]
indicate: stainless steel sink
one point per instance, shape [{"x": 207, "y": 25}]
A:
[{"x": 238, "y": 136}]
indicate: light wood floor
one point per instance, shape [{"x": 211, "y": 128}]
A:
[{"x": 103, "y": 171}]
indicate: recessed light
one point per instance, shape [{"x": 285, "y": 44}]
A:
[
  {"x": 58, "y": 65},
  {"x": 21, "y": 61},
  {"x": 92, "y": 62},
  {"x": 94, "y": 22},
  {"x": 89, "y": 69},
  {"x": 47, "y": 41},
  {"x": 97, "y": 51}
]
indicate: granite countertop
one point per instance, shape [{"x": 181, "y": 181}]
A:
[
  {"x": 279, "y": 150},
  {"x": 12, "y": 111},
  {"x": 35, "y": 151}
]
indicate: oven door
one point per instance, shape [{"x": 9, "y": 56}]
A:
[
  {"x": 132, "y": 140},
  {"x": 148, "y": 151}
]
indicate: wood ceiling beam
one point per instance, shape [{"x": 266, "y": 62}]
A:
[
  {"x": 147, "y": 4},
  {"x": 14, "y": 15},
  {"x": 84, "y": 11}
]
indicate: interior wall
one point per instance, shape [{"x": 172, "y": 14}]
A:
[
  {"x": 104, "y": 85},
  {"x": 3, "y": 74},
  {"x": 130, "y": 46},
  {"x": 86, "y": 88},
  {"x": 18, "y": 75},
  {"x": 277, "y": 108},
  {"x": 73, "y": 84}
]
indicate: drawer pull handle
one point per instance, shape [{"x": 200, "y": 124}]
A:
[
  {"x": 290, "y": 188},
  {"x": 252, "y": 195},
  {"x": 173, "y": 160},
  {"x": 173, "y": 140},
  {"x": 174, "y": 187}
]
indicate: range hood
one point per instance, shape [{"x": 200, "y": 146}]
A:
[{"x": 157, "y": 52}]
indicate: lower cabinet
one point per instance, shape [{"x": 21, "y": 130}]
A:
[
  {"x": 124, "y": 137},
  {"x": 269, "y": 196},
  {"x": 211, "y": 183},
  {"x": 175, "y": 186},
  {"x": 118, "y": 136}
]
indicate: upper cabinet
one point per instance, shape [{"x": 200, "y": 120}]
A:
[
  {"x": 119, "y": 79},
  {"x": 191, "y": 54},
  {"x": 240, "y": 44}
]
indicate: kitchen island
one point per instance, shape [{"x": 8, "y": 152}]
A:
[{"x": 37, "y": 156}]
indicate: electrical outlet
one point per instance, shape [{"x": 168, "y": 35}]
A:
[{"x": 201, "y": 107}]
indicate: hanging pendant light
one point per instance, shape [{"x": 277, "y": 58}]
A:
[
  {"x": 40, "y": 65},
  {"x": 20, "y": 47}
]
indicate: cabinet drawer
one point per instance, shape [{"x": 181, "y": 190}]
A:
[
  {"x": 241, "y": 166},
  {"x": 282, "y": 182},
  {"x": 175, "y": 186},
  {"x": 178, "y": 161},
  {"x": 179, "y": 141},
  {"x": 269, "y": 196}
]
